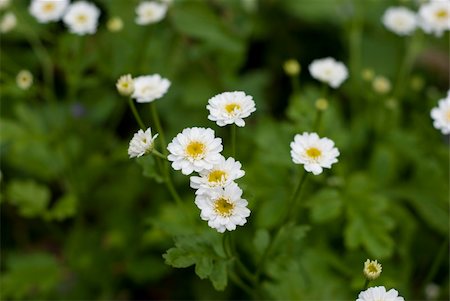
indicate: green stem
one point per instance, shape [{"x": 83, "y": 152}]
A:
[
  {"x": 437, "y": 261},
  {"x": 233, "y": 140},
  {"x": 158, "y": 154},
  {"x": 291, "y": 213},
  {"x": 317, "y": 121},
  {"x": 158, "y": 126},
  {"x": 238, "y": 281},
  {"x": 366, "y": 284},
  {"x": 136, "y": 114}
]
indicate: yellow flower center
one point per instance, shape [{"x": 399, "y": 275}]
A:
[
  {"x": 48, "y": 7},
  {"x": 231, "y": 107},
  {"x": 81, "y": 19},
  {"x": 217, "y": 176},
  {"x": 195, "y": 149},
  {"x": 313, "y": 152},
  {"x": 223, "y": 207},
  {"x": 442, "y": 14},
  {"x": 372, "y": 268},
  {"x": 447, "y": 115}
]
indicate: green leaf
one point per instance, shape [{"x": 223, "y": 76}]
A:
[
  {"x": 65, "y": 207},
  {"x": 219, "y": 275},
  {"x": 30, "y": 197},
  {"x": 325, "y": 205},
  {"x": 149, "y": 168},
  {"x": 261, "y": 240}
]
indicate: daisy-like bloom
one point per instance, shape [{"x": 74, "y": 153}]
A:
[
  {"x": 292, "y": 67},
  {"x": 230, "y": 107},
  {"x": 435, "y": 16},
  {"x": 223, "y": 208},
  {"x": 48, "y": 10},
  {"x": 195, "y": 149},
  {"x": 313, "y": 152},
  {"x": 400, "y": 20},
  {"x": 24, "y": 79},
  {"x": 381, "y": 85},
  {"x": 149, "y": 12},
  {"x": 441, "y": 115},
  {"x": 142, "y": 143},
  {"x": 8, "y": 22},
  {"x": 372, "y": 269},
  {"x": 220, "y": 175},
  {"x": 378, "y": 293},
  {"x": 125, "y": 85},
  {"x": 148, "y": 88},
  {"x": 329, "y": 71},
  {"x": 82, "y": 18},
  {"x": 114, "y": 24}
]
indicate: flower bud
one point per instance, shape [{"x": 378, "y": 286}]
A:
[
  {"x": 292, "y": 67},
  {"x": 125, "y": 85},
  {"x": 372, "y": 269}
]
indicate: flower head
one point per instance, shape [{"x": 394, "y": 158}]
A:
[
  {"x": 441, "y": 115},
  {"x": 125, "y": 85},
  {"x": 378, "y": 293},
  {"x": 8, "y": 22},
  {"x": 150, "y": 12},
  {"x": 372, "y": 269},
  {"x": 321, "y": 104},
  {"x": 4, "y": 4},
  {"x": 223, "y": 208},
  {"x": 313, "y": 152},
  {"x": 82, "y": 17},
  {"x": 292, "y": 67},
  {"x": 148, "y": 88},
  {"x": 400, "y": 20},
  {"x": 381, "y": 85},
  {"x": 114, "y": 24},
  {"x": 220, "y": 175},
  {"x": 195, "y": 149},
  {"x": 435, "y": 16},
  {"x": 329, "y": 70},
  {"x": 24, "y": 79},
  {"x": 142, "y": 143},
  {"x": 230, "y": 107},
  {"x": 48, "y": 10}
]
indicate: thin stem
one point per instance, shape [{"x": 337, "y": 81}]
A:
[
  {"x": 238, "y": 281},
  {"x": 233, "y": 140},
  {"x": 135, "y": 113},
  {"x": 292, "y": 203},
  {"x": 437, "y": 261},
  {"x": 317, "y": 121},
  {"x": 366, "y": 284},
  {"x": 158, "y": 154},
  {"x": 158, "y": 126}
]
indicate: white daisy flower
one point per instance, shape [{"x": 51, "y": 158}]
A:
[
  {"x": 372, "y": 269},
  {"x": 8, "y": 22},
  {"x": 142, "y": 143},
  {"x": 48, "y": 10},
  {"x": 82, "y": 17},
  {"x": 149, "y": 12},
  {"x": 148, "y": 88},
  {"x": 24, "y": 79},
  {"x": 435, "y": 17},
  {"x": 313, "y": 152},
  {"x": 230, "y": 107},
  {"x": 195, "y": 149},
  {"x": 400, "y": 20},
  {"x": 441, "y": 115},
  {"x": 329, "y": 71},
  {"x": 223, "y": 208},
  {"x": 378, "y": 293},
  {"x": 220, "y": 175},
  {"x": 125, "y": 85}
]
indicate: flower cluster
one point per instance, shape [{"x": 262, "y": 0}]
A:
[{"x": 145, "y": 88}]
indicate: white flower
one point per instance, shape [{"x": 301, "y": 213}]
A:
[
  {"x": 329, "y": 70},
  {"x": 24, "y": 79},
  {"x": 125, "y": 85},
  {"x": 150, "y": 12},
  {"x": 148, "y": 88},
  {"x": 220, "y": 175},
  {"x": 82, "y": 18},
  {"x": 142, "y": 143},
  {"x": 223, "y": 208},
  {"x": 435, "y": 17},
  {"x": 400, "y": 20},
  {"x": 4, "y": 4},
  {"x": 48, "y": 10},
  {"x": 195, "y": 149},
  {"x": 9, "y": 21},
  {"x": 372, "y": 269},
  {"x": 313, "y": 152},
  {"x": 378, "y": 293},
  {"x": 441, "y": 115},
  {"x": 230, "y": 107}
]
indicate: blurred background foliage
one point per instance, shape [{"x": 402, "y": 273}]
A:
[{"x": 79, "y": 220}]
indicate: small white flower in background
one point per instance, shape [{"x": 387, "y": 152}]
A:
[
  {"x": 24, "y": 79},
  {"x": 329, "y": 71},
  {"x": 8, "y": 22},
  {"x": 378, "y": 293},
  {"x": 82, "y": 18},
  {"x": 114, "y": 24},
  {"x": 142, "y": 143},
  {"x": 4, "y": 4},
  {"x": 435, "y": 17},
  {"x": 381, "y": 85},
  {"x": 125, "y": 85},
  {"x": 313, "y": 152},
  {"x": 220, "y": 175},
  {"x": 195, "y": 149},
  {"x": 230, "y": 107},
  {"x": 48, "y": 10},
  {"x": 400, "y": 20},
  {"x": 441, "y": 115},
  {"x": 223, "y": 208},
  {"x": 148, "y": 88},
  {"x": 372, "y": 269},
  {"x": 150, "y": 12}
]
